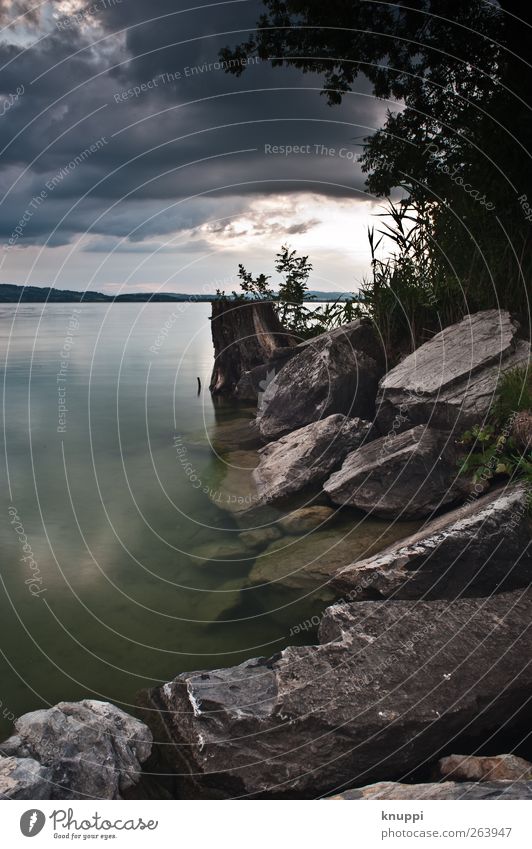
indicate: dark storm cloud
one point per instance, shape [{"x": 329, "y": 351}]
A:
[
  {"x": 11, "y": 10},
  {"x": 183, "y": 142}
]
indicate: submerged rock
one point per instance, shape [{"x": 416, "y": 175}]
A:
[
  {"x": 477, "y": 549},
  {"x": 331, "y": 375},
  {"x": 89, "y": 749},
  {"x": 221, "y": 549},
  {"x": 451, "y": 380},
  {"x": 446, "y": 791},
  {"x": 259, "y": 538},
  {"x": 306, "y": 519},
  {"x": 410, "y": 476},
  {"x": 476, "y": 768},
  {"x": 24, "y": 778},
  {"x": 234, "y": 490},
  {"x": 390, "y": 684},
  {"x": 310, "y": 562},
  {"x": 215, "y": 603},
  {"x": 307, "y": 456}
]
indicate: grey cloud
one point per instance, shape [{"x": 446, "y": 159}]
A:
[
  {"x": 304, "y": 227},
  {"x": 10, "y": 10},
  {"x": 105, "y": 246}
]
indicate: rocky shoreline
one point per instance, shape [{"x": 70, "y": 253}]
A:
[{"x": 427, "y": 647}]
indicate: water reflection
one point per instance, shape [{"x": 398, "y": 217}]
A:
[{"x": 144, "y": 572}]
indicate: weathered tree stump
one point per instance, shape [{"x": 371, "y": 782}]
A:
[{"x": 245, "y": 334}]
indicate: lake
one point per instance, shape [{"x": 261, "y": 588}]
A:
[{"x": 116, "y": 537}]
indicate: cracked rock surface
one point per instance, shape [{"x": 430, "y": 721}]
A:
[
  {"x": 389, "y": 684},
  {"x": 86, "y": 749}
]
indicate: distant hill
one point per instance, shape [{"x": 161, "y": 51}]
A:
[
  {"x": 334, "y": 296},
  {"x": 10, "y": 294}
]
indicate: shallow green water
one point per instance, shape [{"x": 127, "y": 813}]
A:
[{"x": 118, "y": 600}]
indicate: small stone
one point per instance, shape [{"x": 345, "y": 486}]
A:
[
  {"x": 522, "y": 430},
  {"x": 495, "y": 768}
]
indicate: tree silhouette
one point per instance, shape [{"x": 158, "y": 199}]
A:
[{"x": 457, "y": 137}]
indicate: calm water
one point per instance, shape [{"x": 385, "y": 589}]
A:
[{"x": 120, "y": 599}]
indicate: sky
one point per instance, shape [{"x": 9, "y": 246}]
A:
[{"x": 130, "y": 161}]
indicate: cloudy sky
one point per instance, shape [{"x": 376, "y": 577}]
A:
[{"x": 130, "y": 160}]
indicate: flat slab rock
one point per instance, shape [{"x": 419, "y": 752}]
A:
[
  {"x": 451, "y": 379},
  {"x": 307, "y": 456},
  {"x": 390, "y": 684},
  {"x": 475, "y": 550},
  {"x": 477, "y": 768},
  {"x": 409, "y": 477},
  {"x": 88, "y": 749},
  {"x": 332, "y": 374},
  {"x": 446, "y": 791}
]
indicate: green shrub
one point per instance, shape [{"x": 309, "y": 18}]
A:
[
  {"x": 492, "y": 448},
  {"x": 514, "y": 394}
]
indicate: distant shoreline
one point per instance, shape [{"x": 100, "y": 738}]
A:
[{"x": 11, "y": 294}]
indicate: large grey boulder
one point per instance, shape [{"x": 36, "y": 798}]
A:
[
  {"x": 479, "y": 548},
  {"x": 409, "y": 476},
  {"x": 451, "y": 380},
  {"x": 359, "y": 333},
  {"x": 306, "y": 456},
  {"x": 449, "y": 790},
  {"x": 332, "y": 374},
  {"x": 390, "y": 685},
  {"x": 24, "y": 778},
  {"x": 478, "y": 768},
  {"x": 89, "y": 749}
]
